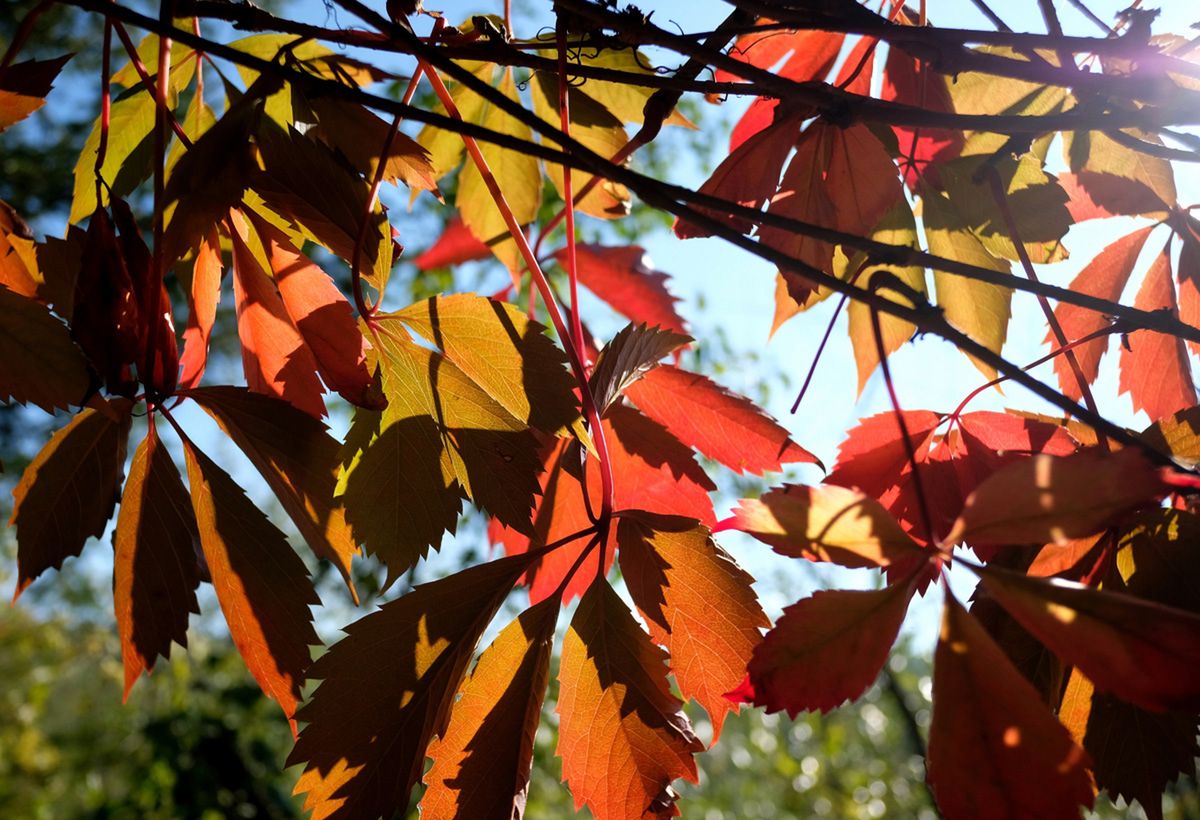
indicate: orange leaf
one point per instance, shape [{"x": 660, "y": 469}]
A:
[
  {"x": 1104, "y": 277},
  {"x": 995, "y": 750},
  {"x": 677, "y": 576},
  {"x": 1097, "y": 195},
  {"x": 825, "y": 523},
  {"x": 365, "y": 739},
  {"x": 69, "y": 490},
  {"x": 275, "y": 359},
  {"x": 829, "y": 648},
  {"x": 203, "y": 299},
  {"x": 1155, "y": 369},
  {"x": 24, "y": 86},
  {"x": 17, "y": 273},
  {"x": 481, "y": 763},
  {"x": 720, "y": 424},
  {"x": 38, "y": 361},
  {"x": 1047, "y": 498},
  {"x": 323, "y": 317},
  {"x": 623, "y": 278},
  {"x": 1141, "y": 651},
  {"x": 297, "y": 458},
  {"x": 262, "y": 586},
  {"x": 155, "y": 572},
  {"x": 622, "y": 736}
]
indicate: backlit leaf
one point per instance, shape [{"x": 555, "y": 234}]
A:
[
  {"x": 622, "y": 736},
  {"x": 203, "y": 298},
  {"x": 676, "y": 574},
  {"x": 69, "y": 490},
  {"x": 364, "y": 743},
  {"x": 623, "y": 278},
  {"x": 995, "y": 750},
  {"x": 262, "y": 585},
  {"x": 297, "y": 458},
  {"x": 24, "y": 86},
  {"x": 155, "y": 573},
  {"x": 825, "y": 523},
  {"x": 828, "y": 648},
  {"x": 482, "y": 761},
  {"x": 633, "y": 352},
  {"x": 720, "y": 424}
]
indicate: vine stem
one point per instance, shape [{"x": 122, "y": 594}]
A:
[
  {"x": 105, "y": 105},
  {"x": 564, "y": 108},
  {"x": 162, "y": 113},
  {"x": 574, "y": 355},
  {"x": 147, "y": 82},
  {"x": 1001, "y": 197},
  {"x": 364, "y": 310}
]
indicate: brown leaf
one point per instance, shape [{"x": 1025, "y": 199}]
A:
[
  {"x": 481, "y": 763},
  {"x": 365, "y": 739},
  {"x": 69, "y": 490},
  {"x": 297, "y": 458},
  {"x": 995, "y": 750},
  {"x": 677, "y": 576},
  {"x": 155, "y": 573},
  {"x": 633, "y": 352},
  {"x": 262, "y": 585},
  {"x": 39, "y": 362},
  {"x": 622, "y": 736}
]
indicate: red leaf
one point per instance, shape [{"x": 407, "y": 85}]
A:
[
  {"x": 202, "y": 311},
  {"x": 1056, "y": 498},
  {"x": 481, "y": 763},
  {"x": 1104, "y": 277},
  {"x": 676, "y": 575},
  {"x": 829, "y": 648},
  {"x": 323, "y": 316},
  {"x": 155, "y": 573},
  {"x": 906, "y": 79},
  {"x": 720, "y": 424},
  {"x": 623, "y": 278},
  {"x": 275, "y": 359},
  {"x": 69, "y": 490},
  {"x": 262, "y": 585},
  {"x": 861, "y": 59},
  {"x": 1189, "y": 277},
  {"x": 1143, "y": 652},
  {"x": 622, "y": 736},
  {"x": 365, "y": 739},
  {"x": 1155, "y": 369},
  {"x": 456, "y": 244},
  {"x": 1097, "y": 195},
  {"x": 995, "y": 750},
  {"x": 749, "y": 175}
]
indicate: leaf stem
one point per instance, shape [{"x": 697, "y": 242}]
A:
[
  {"x": 105, "y": 105},
  {"x": 157, "y": 270},
  {"x": 591, "y": 411},
  {"x": 564, "y": 108}
]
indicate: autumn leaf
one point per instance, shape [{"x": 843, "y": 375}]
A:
[
  {"x": 1051, "y": 498},
  {"x": 482, "y": 761},
  {"x": 69, "y": 490},
  {"x": 504, "y": 352},
  {"x": 1142, "y": 652},
  {"x": 908, "y": 79},
  {"x": 622, "y": 736},
  {"x": 323, "y": 317},
  {"x": 275, "y": 358},
  {"x": 155, "y": 573},
  {"x": 262, "y": 585},
  {"x": 39, "y": 362},
  {"x": 720, "y": 424},
  {"x": 359, "y": 136},
  {"x": 995, "y": 750},
  {"x": 297, "y": 458},
  {"x": 828, "y": 648},
  {"x": 364, "y": 743},
  {"x": 1104, "y": 277},
  {"x": 825, "y": 523},
  {"x": 633, "y": 352},
  {"x": 1093, "y": 195},
  {"x": 203, "y": 298},
  {"x": 24, "y": 86},
  {"x": 1092, "y": 153},
  {"x": 676, "y": 574},
  {"x": 456, "y": 245},
  {"x": 623, "y": 278},
  {"x": 1177, "y": 436},
  {"x": 1155, "y": 369}
]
